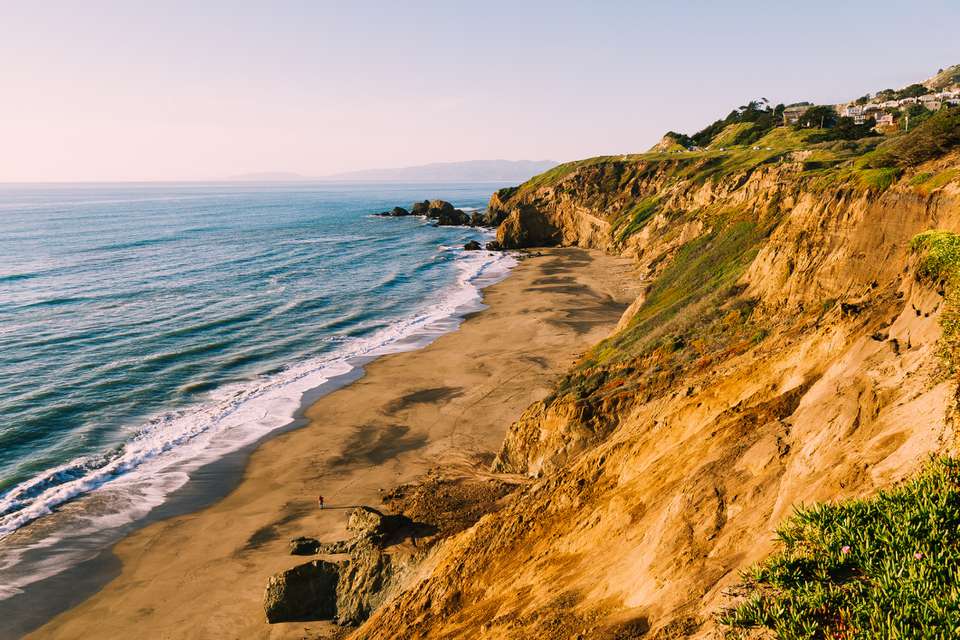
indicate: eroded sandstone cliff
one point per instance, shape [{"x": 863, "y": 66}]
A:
[{"x": 783, "y": 351}]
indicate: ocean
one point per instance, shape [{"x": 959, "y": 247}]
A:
[{"x": 147, "y": 330}]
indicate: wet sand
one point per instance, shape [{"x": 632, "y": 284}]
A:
[{"x": 203, "y": 575}]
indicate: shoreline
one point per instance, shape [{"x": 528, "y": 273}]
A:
[
  {"x": 402, "y": 414},
  {"x": 60, "y": 547}
]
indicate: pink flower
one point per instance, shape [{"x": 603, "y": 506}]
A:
[
  {"x": 845, "y": 549},
  {"x": 918, "y": 555}
]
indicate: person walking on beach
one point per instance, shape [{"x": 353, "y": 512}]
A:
[{"x": 320, "y": 502}]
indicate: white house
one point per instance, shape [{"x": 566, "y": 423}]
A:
[{"x": 885, "y": 120}]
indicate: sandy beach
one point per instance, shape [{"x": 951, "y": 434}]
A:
[{"x": 446, "y": 406}]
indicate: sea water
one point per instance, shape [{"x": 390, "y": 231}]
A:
[{"x": 147, "y": 330}]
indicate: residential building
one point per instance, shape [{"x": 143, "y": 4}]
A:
[
  {"x": 855, "y": 111},
  {"x": 792, "y": 115},
  {"x": 885, "y": 120}
]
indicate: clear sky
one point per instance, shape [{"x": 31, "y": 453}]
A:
[{"x": 193, "y": 90}]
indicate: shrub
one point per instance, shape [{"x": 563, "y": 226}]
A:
[
  {"x": 939, "y": 255},
  {"x": 883, "y": 567}
]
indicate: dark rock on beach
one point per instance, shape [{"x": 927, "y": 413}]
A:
[
  {"x": 349, "y": 590},
  {"x": 493, "y": 245},
  {"x": 305, "y": 592},
  {"x": 473, "y": 245},
  {"x": 304, "y": 546}
]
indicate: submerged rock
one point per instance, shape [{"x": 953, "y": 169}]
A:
[
  {"x": 305, "y": 592},
  {"x": 396, "y": 212}
]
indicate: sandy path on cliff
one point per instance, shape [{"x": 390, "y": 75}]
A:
[{"x": 203, "y": 575}]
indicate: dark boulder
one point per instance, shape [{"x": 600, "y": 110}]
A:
[
  {"x": 493, "y": 245},
  {"x": 305, "y": 592},
  {"x": 420, "y": 208},
  {"x": 438, "y": 208},
  {"x": 454, "y": 217},
  {"x": 399, "y": 211},
  {"x": 473, "y": 245},
  {"x": 304, "y": 546}
]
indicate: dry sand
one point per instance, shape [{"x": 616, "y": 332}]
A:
[{"x": 203, "y": 575}]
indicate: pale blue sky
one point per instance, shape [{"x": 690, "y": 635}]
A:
[{"x": 113, "y": 91}]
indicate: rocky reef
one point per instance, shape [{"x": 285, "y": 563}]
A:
[{"x": 444, "y": 214}]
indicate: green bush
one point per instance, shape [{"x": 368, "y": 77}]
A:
[
  {"x": 883, "y": 567},
  {"x": 939, "y": 255}
]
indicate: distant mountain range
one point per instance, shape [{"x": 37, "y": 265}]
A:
[{"x": 467, "y": 171}]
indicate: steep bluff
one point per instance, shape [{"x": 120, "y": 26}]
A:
[{"x": 784, "y": 350}]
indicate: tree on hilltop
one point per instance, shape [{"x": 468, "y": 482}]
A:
[
  {"x": 820, "y": 117},
  {"x": 913, "y": 91}
]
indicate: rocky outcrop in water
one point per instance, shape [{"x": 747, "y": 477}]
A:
[{"x": 445, "y": 214}]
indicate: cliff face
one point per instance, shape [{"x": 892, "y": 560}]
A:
[{"x": 783, "y": 351}]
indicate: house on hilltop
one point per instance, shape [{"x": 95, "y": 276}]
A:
[
  {"x": 885, "y": 120},
  {"x": 793, "y": 113},
  {"x": 855, "y": 111}
]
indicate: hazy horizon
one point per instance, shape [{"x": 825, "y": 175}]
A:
[{"x": 111, "y": 92}]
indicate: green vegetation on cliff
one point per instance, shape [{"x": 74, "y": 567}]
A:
[
  {"x": 703, "y": 273},
  {"x": 931, "y": 139},
  {"x": 882, "y": 567},
  {"x": 633, "y": 220},
  {"x": 939, "y": 264}
]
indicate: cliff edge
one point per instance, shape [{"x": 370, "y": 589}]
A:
[{"x": 785, "y": 350}]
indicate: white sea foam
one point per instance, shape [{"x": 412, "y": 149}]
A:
[{"x": 92, "y": 495}]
